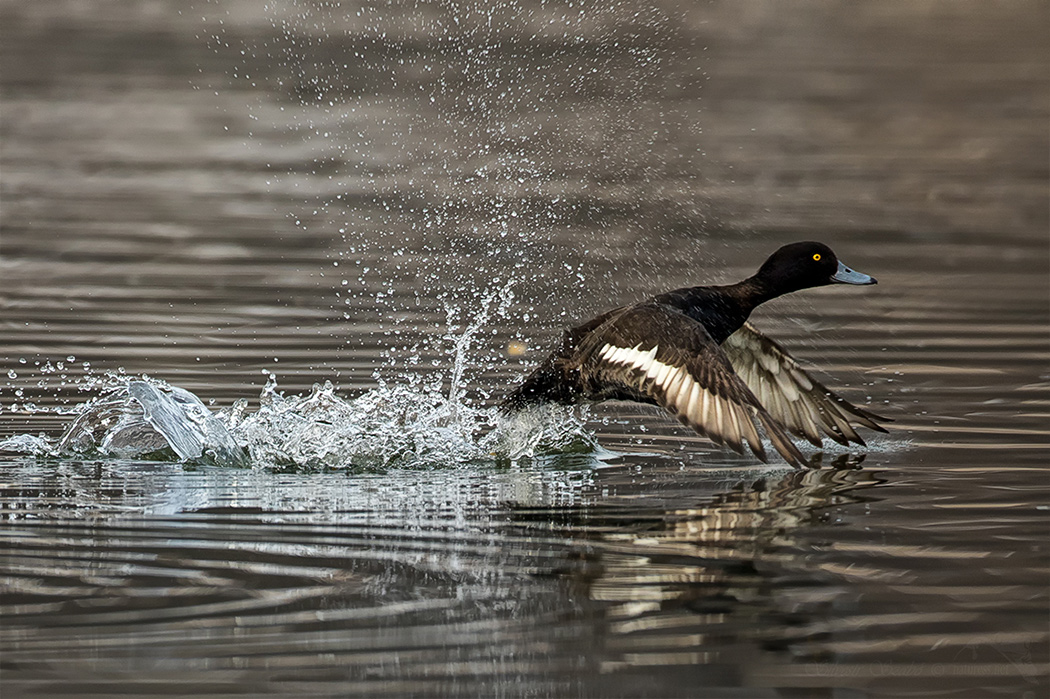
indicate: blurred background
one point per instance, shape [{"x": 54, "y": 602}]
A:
[
  {"x": 206, "y": 190},
  {"x": 379, "y": 192}
]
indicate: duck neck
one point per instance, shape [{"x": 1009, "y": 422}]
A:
[
  {"x": 753, "y": 292},
  {"x": 720, "y": 309},
  {"x": 738, "y": 300}
]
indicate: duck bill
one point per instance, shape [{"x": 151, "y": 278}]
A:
[{"x": 845, "y": 275}]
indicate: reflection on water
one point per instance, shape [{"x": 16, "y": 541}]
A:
[
  {"x": 560, "y": 576},
  {"x": 390, "y": 199},
  {"x": 505, "y": 570}
]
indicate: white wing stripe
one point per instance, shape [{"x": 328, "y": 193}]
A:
[
  {"x": 645, "y": 361},
  {"x": 673, "y": 384},
  {"x": 723, "y": 421},
  {"x": 706, "y": 409},
  {"x": 693, "y": 401},
  {"x": 661, "y": 375},
  {"x": 685, "y": 391}
]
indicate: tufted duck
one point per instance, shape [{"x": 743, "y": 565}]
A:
[{"x": 692, "y": 352}]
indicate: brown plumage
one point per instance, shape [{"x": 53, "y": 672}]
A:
[{"x": 691, "y": 352}]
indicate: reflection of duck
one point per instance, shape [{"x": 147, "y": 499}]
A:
[
  {"x": 695, "y": 575},
  {"x": 691, "y": 352},
  {"x": 723, "y": 558}
]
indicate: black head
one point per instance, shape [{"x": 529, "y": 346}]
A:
[{"x": 804, "y": 265}]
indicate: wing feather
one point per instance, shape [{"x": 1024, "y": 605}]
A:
[
  {"x": 791, "y": 396},
  {"x": 655, "y": 354}
]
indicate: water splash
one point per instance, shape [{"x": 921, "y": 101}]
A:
[
  {"x": 408, "y": 424},
  {"x": 415, "y": 422},
  {"x": 136, "y": 419}
]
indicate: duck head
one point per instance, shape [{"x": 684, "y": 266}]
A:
[{"x": 805, "y": 265}]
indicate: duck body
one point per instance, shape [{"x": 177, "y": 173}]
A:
[{"x": 692, "y": 351}]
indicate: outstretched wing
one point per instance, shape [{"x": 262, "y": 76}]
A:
[
  {"x": 655, "y": 354},
  {"x": 794, "y": 398}
]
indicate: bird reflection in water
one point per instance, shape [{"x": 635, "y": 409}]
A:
[{"x": 732, "y": 574}]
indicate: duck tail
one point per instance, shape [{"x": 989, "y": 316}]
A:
[{"x": 546, "y": 384}]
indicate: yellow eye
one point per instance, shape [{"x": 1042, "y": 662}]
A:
[{"x": 817, "y": 257}]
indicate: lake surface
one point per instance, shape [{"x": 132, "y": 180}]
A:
[{"x": 410, "y": 202}]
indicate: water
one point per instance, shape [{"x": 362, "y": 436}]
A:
[{"x": 247, "y": 202}]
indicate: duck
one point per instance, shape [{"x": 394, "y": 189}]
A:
[{"x": 693, "y": 352}]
